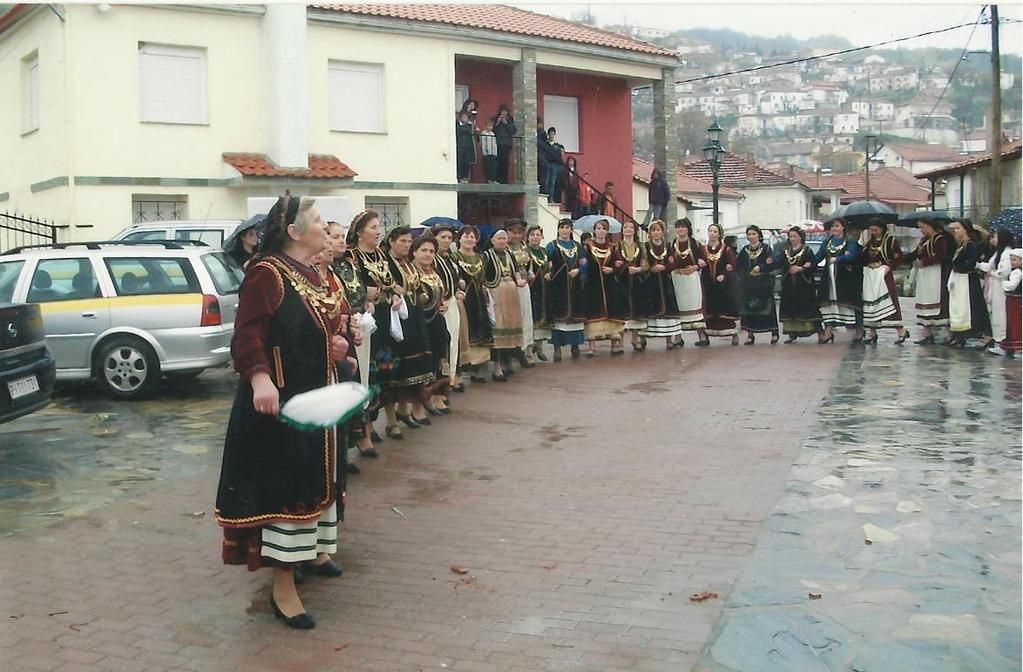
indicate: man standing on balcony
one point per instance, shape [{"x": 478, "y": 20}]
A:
[
  {"x": 553, "y": 156},
  {"x": 541, "y": 155},
  {"x": 659, "y": 195},
  {"x": 606, "y": 205},
  {"x": 504, "y": 131}
]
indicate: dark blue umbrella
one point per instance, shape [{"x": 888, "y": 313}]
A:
[
  {"x": 1009, "y": 220},
  {"x": 860, "y": 212},
  {"x": 434, "y": 221},
  {"x": 913, "y": 218},
  {"x": 254, "y": 222}
]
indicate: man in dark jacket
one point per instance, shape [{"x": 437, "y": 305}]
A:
[
  {"x": 504, "y": 131},
  {"x": 541, "y": 155},
  {"x": 659, "y": 196}
]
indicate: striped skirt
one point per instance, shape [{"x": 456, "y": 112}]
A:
[
  {"x": 663, "y": 326},
  {"x": 299, "y": 542},
  {"x": 929, "y": 311},
  {"x": 689, "y": 298},
  {"x": 880, "y": 308}
]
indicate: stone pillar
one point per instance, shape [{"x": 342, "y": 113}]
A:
[
  {"x": 666, "y": 150},
  {"x": 525, "y": 106},
  {"x": 286, "y": 92}
]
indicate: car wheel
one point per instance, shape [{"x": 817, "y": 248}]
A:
[{"x": 127, "y": 367}]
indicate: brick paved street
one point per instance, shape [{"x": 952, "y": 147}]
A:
[{"x": 588, "y": 500}]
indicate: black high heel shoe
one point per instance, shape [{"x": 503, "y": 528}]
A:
[
  {"x": 393, "y": 432},
  {"x": 870, "y": 341},
  {"x": 926, "y": 340},
  {"x": 371, "y": 453},
  {"x": 328, "y": 569},
  {"x": 702, "y": 344},
  {"x": 954, "y": 343},
  {"x": 790, "y": 340},
  {"x": 825, "y": 341},
  {"x": 502, "y": 378},
  {"x": 774, "y": 338},
  {"x": 303, "y": 621},
  {"x": 435, "y": 411},
  {"x": 425, "y": 421},
  {"x": 408, "y": 420},
  {"x": 752, "y": 340},
  {"x": 905, "y": 336}
]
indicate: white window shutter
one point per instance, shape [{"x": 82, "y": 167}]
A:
[
  {"x": 33, "y": 93},
  {"x": 355, "y": 97},
  {"x": 562, "y": 113},
  {"x": 172, "y": 84}
]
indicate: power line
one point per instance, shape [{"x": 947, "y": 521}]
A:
[
  {"x": 829, "y": 55},
  {"x": 952, "y": 76}
]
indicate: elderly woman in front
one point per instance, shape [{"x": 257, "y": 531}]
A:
[{"x": 281, "y": 494}]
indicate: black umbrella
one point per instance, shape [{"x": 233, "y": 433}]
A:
[
  {"x": 860, "y": 212},
  {"x": 255, "y": 221},
  {"x": 913, "y": 218},
  {"x": 1008, "y": 220}
]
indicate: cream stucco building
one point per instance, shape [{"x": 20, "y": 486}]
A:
[{"x": 131, "y": 112}]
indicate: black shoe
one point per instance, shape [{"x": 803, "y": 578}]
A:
[
  {"x": 376, "y": 438},
  {"x": 774, "y": 337},
  {"x": 829, "y": 339},
  {"x": 477, "y": 379},
  {"x": 353, "y": 468},
  {"x": 371, "y": 453},
  {"x": 409, "y": 421},
  {"x": 790, "y": 339},
  {"x": 520, "y": 357},
  {"x": 460, "y": 388},
  {"x": 303, "y": 621},
  {"x": 394, "y": 433},
  {"x": 870, "y": 341},
  {"x": 426, "y": 421},
  {"x": 751, "y": 340},
  {"x": 539, "y": 355},
  {"x": 903, "y": 339},
  {"x": 926, "y": 340},
  {"x": 435, "y": 411},
  {"x": 328, "y": 569},
  {"x": 499, "y": 378},
  {"x": 702, "y": 344}
]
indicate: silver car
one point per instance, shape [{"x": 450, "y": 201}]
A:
[
  {"x": 124, "y": 313},
  {"x": 212, "y": 232}
]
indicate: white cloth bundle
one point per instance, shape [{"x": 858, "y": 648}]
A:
[
  {"x": 490, "y": 308},
  {"x": 396, "y": 317},
  {"x": 367, "y": 324},
  {"x": 324, "y": 407}
]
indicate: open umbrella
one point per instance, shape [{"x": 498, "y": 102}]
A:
[
  {"x": 913, "y": 218},
  {"x": 860, "y": 212},
  {"x": 587, "y": 222},
  {"x": 1009, "y": 220},
  {"x": 254, "y": 222},
  {"x": 434, "y": 221},
  {"x": 809, "y": 226}
]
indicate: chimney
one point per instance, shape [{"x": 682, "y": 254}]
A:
[
  {"x": 286, "y": 87},
  {"x": 751, "y": 169}
]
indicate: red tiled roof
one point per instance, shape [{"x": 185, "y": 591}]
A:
[
  {"x": 735, "y": 171},
  {"x": 895, "y": 186},
  {"x": 13, "y": 14},
  {"x": 321, "y": 166},
  {"x": 921, "y": 152},
  {"x": 505, "y": 19},
  {"x": 684, "y": 186},
  {"x": 1010, "y": 151}
]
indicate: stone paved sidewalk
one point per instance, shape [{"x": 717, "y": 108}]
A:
[
  {"x": 897, "y": 545},
  {"x": 588, "y": 501}
]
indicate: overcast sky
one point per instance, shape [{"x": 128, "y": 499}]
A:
[{"x": 862, "y": 23}]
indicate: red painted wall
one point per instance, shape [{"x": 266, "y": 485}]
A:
[
  {"x": 605, "y": 126},
  {"x": 605, "y": 117}
]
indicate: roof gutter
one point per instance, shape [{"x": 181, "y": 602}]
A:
[{"x": 441, "y": 30}]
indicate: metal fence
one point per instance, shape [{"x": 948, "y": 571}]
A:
[{"x": 17, "y": 230}]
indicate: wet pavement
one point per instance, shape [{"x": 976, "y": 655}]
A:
[
  {"x": 85, "y": 449},
  {"x": 896, "y": 546}
]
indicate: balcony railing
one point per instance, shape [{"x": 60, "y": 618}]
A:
[{"x": 513, "y": 173}]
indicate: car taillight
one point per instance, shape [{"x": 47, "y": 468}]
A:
[{"x": 210, "y": 311}]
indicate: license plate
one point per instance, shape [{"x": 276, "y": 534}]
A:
[{"x": 23, "y": 387}]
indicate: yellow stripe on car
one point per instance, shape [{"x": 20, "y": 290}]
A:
[{"x": 121, "y": 302}]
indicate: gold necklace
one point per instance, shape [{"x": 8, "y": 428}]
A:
[
  {"x": 657, "y": 257},
  {"x": 754, "y": 254},
  {"x": 683, "y": 254},
  {"x": 793, "y": 259},
  {"x": 521, "y": 254},
  {"x": 630, "y": 251},
  {"x": 376, "y": 265},
  {"x": 539, "y": 255},
  {"x": 600, "y": 253},
  {"x": 470, "y": 263},
  {"x": 712, "y": 257},
  {"x": 322, "y": 299},
  {"x": 505, "y": 263},
  {"x": 834, "y": 251},
  {"x": 569, "y": 252}
]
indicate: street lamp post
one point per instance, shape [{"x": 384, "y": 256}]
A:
[
  {"x": 870, "y": 149},
  {"x": 714, "y": 153}
]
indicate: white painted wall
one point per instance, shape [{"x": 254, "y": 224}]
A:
[{"x": 775, "y": 207}]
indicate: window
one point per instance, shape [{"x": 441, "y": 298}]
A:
[
  {"x": 152, "y": 275},
  {"x": 562, "y": 113},
  {"x": 212, "y": 237},
  {"x": 172, "y": 84},
  {"x": 63, "y": 280},
  {"x": 393, "y": 210},
  {"x": 155, "y": 234},
  {"x": 461, "y": 95},
  {"x": 30, "y": 88},
  {"x": 226, "y": 275},
  {"x": 355, "y": 97},
  {"x": 9, "y": 272},
  {"x": 158, "y": 208}
]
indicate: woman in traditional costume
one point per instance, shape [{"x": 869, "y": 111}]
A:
[
  {"x": 407, "y": 387},
  {"x": 476, "y": 336},
  {"x": 565, "y": 301},
  {"x": 1013, "y": 306},
  {"x": 722, "y": 307},
  {"x": 932, "y": 258},
  {"x": 881, "y": 309},
  {"x": 502, "y": 278},
  {"x": 841, "y": 297},
  {"x": 798, "y": 311},
  {"x": 686, "y": 263},
  {"x": 637, "y": 285},
  {"x": 355, "y": 292},
  {"x": 435, "y": 299},
  {"x": 661, "y": 311},
  {"x": 516, "y": 229},
  {"x": 996, "y": 269},
  {"x": 606, "y": 303},
  {"x": 281, "y": 493},
  {"x": 447, "y": 267},
  {"x": 967, "y": 310},
  {"x": 753, "y": 268},
  {"x": 538, "y": 289}
]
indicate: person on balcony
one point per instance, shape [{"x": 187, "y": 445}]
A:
[
  {"x": 504, "y": 131},
  {"x": 585, "y": 196},
  {"x": 659, "y": 195},
  {"x": 488, "y": 148},
  {"x": 607, "y": 205},
  {"x": 465, "y": 147},
  {"x": 570, "y": 187}
]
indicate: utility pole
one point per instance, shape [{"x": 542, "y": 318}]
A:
[{"x": 995, "y": 200}]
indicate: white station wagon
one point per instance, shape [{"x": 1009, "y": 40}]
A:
[{"x": 126, "y": 313}]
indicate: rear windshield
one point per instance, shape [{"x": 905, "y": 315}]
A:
[
  {"x": 135, "y": 276},
  {"x": 9, "y": 272},
  {"x": 227, "y": 275}
]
